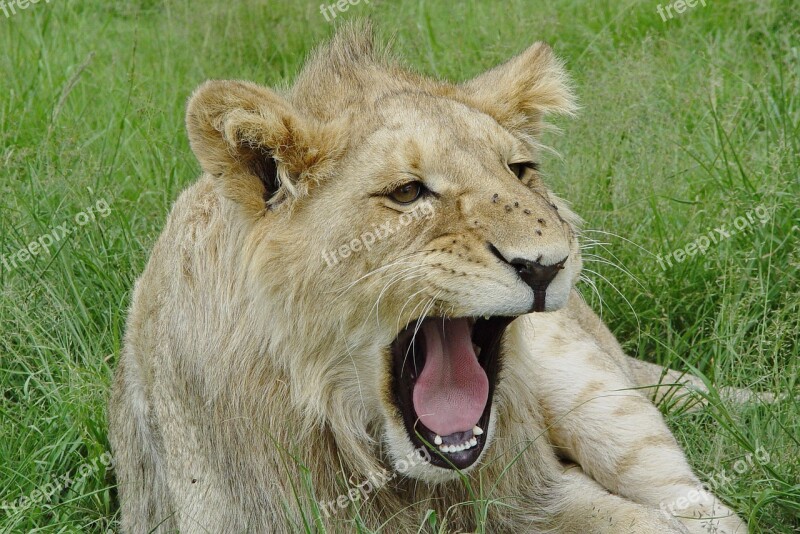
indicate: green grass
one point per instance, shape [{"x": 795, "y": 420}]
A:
[{"x": 686, "y": 125}]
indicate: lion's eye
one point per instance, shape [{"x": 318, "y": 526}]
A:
[
  {"x": 407, "y": 193},
  {"x": 519, "y": 168}
]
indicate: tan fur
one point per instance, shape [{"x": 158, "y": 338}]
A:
[{"x": 254, "y": 376}]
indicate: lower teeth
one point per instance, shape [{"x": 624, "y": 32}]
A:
[{"x": 461, "y": 447}]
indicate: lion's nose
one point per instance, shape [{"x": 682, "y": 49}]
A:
[{"x": 537, "y": 276}]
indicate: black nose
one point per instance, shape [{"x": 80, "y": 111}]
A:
[{"x": 538, "y": 277}]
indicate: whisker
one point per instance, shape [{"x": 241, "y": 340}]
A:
[
  {"x": 599, "y": 259},
  {"x": 606, "y": 280},
  {"x": 620, "y": 237},
  {"x": 355, "y": 367},
  {"x": 379, "y": 269},
  {"x": 408, "y": 301},
  {"x": 593, "y": 286},
  {"x": 421, "y": 319},
  {"x": 591, "y": 244},
  {"x": 613, "y": 256},
  {"x": 405, "y": 275}
]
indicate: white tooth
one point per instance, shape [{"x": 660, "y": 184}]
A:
[
  {"x": 473, "y": 442},
  {"x": 445, "y": 448},
  {"x": 437, "y": 440},
  {"x": 477, "y": 431},
  {"x": 486, "y": 317}
]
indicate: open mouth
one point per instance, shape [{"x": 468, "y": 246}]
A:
[{"x": 444, "y": 376}]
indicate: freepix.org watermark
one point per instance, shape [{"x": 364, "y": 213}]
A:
[
  {"x": 44, "y": 493},
  {"x": 9, "y": 7},
  {"x": 341, "y": 6},
  {"x": 374, "y": 482},
  {"x": 378, "y": 233},
  {"x": 700, "y": 245},
  {"x": 43, "y": 243},
  {"x": 679, "y": 6},
  {"x": 718, "y": 481}
]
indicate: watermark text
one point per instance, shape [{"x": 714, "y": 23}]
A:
[
  {"x": 700, "y": 245},
  {"x": 337, "y": 7},
  {"x": 9, "y": 7},
  {"x": 378, "y": 233},
  {"x": 679, "y": 6},
  {"x": 43, "y": 243},
  {"x": 374, "y": 482}
]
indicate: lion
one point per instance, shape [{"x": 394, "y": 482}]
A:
[{"x": 364, "y": 316}]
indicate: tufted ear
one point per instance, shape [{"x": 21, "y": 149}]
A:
[
  {"x": 521, "y": 91},
  {"x": 258, "y": 146}
]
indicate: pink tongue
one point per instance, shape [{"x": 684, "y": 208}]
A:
[{"x": 451, "y": 392}]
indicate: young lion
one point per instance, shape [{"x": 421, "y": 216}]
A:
[{"x": 367, "y": 302}]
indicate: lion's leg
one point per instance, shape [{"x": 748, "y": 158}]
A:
[
  {"x": 597, "y": 418},
  {"x": 682, "y": 389},
  {"x": 164, "y": 483},
  {"x": 144, "y": 499},
  {"x": 200, "y": 491},
  {"x": 588, "y": 507}
]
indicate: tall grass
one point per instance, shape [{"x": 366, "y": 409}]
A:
[{"x": 686, "y": 125}]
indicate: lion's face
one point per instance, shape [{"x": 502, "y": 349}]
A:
[
  {"x": 463, "y": 236},
  {"x": 424, "y": 209}
]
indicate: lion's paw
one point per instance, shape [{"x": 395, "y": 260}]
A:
[{"x": 711, "y": 518}]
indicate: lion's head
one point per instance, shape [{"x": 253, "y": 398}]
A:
[{"x": 396, "y": 225}]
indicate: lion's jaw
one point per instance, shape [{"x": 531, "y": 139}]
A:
[{"x": 392, "y": 294}]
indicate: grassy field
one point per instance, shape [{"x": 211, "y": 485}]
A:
[{"x": 689, "y": 126}]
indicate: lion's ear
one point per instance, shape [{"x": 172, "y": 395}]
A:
[
  {"x": 256, "y": 143},
  {"x": 521, "y": 91}
]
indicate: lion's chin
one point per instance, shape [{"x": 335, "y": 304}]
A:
[
  {"x": 413, "y": 461},
  {"x": 444, "y": 373}
]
